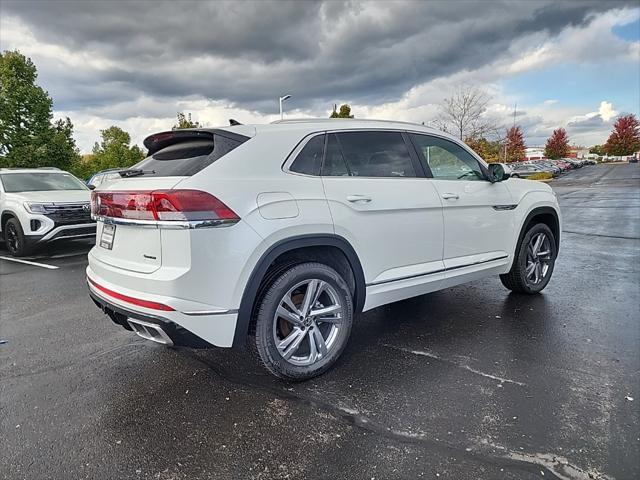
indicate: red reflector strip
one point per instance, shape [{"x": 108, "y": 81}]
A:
[{"x": 131, "y": 300}]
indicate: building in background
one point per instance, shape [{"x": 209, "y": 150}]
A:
[{"x": 534, "y": 153}]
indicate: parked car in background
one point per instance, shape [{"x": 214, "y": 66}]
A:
[
  {"x": 523, "y": 170},
  {"x": 548, "y": 166},
  {"x": 103, "y": 177},
  {"x": 283, "y": 232},
  {"x": 42, "y": 205},
  {"x": 574, "y": 162}
]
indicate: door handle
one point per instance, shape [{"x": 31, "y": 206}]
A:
[
  {"x": 358, "y": 199},
  {"x": 450, "y": 196}
]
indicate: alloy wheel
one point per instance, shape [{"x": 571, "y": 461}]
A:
[
  {"x": 538, "y": 259},
  {"x": 307, "y": 322},
  {"x": 13, "y": 241}
]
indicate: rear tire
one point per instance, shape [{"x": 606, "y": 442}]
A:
[
  {"x": 304, "y": 321},
  {"x": 534, "y": 262},
  {"x": 14, "y": 238}
]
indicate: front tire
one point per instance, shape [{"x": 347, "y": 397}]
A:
[
  {"x": 304, "y": 321},
  {"x": 535, "y": 259},
  {"x": 14, "y": 238}
]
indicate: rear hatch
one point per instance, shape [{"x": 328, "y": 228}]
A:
[{"x": 127, "y": 235}]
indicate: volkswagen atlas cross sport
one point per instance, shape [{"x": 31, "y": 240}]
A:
[{"x": 283, "y": 232}]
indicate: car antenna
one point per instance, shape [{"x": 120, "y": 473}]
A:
[{"x": 233, "y": 122}]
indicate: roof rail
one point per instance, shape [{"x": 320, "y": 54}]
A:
[
  {"x": 328, "y": 120},
  {"x": 31, "y": 168}
]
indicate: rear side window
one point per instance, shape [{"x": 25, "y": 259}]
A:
[
  {"x": 334, "y": 164},
  {"x": 309, "y": 159},
  {"x": 368, "y": 154},
  {"x": 188, "y": 157}
]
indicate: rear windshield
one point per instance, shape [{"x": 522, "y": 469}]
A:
[
  {"x": 188, "y": 157},
  {"x": 40, "y": 182}
]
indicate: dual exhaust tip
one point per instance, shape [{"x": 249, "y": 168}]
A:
[{"x": 150, "y": 331}]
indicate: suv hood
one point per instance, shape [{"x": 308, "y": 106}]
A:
[{"x": 54, "y": 196}]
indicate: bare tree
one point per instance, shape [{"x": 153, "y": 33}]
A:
[{"x": 463, "y": 114}]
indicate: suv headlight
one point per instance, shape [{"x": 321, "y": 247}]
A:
[{"x": 35, "y": 207}]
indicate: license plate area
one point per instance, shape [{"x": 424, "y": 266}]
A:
[{"x": 107, "y": 236}]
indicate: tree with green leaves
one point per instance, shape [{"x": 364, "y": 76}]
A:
[
  {"x": 114, "y": 150},
  {"x": 28, "y": 138},
  {"x": 345, "y": 112},
  {"x": 557, "y": 145},
  {"x": 184, "y": 121},
  {"x": 597, "y": 150}
]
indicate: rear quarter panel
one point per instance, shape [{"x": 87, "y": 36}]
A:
[{"x": 275, "y": 204}]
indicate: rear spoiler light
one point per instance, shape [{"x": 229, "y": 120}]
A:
[{"x": 169, "y": 208}]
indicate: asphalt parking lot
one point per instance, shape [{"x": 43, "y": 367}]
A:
[{"x": 468, "y": 383}]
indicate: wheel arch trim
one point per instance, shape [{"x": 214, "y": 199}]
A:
[
  {"x": 9, "y": 213},
  {"x": 542, "y": 210},
  {"x": 283, "y": 246}
]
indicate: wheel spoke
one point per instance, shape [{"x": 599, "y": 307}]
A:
[
  {"x": 544, "y": 254},
  {"x": 530, "y": 268},
  {"x": 309, "y": 296},
  {"x": 334, "y": 319},
  {"x": 317, "y": 338},
  {"x": 538, "y": 243},
  {"x": 325, "y": 311},
  {"x": 538, "y": 272},
  {"x": 288, "y": 316},
  {"x": 320, "y": 288},
  {"x": 290, "y": 344}
]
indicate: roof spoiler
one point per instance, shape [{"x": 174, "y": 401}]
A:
[{"x": 161, "y": 140}]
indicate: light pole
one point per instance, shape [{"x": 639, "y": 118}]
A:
[{"x": 282, "y": 99}]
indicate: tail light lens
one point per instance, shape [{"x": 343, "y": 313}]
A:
[{"x": 160, "y": 205}]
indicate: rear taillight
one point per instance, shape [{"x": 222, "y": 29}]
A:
[{"x": 161, "y": 205}]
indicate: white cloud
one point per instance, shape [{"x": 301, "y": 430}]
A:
[{"x": 606, "y": 111}]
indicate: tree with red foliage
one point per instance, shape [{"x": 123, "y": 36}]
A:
[
  {"x": 625, "y": 137},
  {"x": 557, "y": 145},
  {"x": 515, "y": 144}
]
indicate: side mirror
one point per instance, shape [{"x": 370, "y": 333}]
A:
[
  {"x": 497, "y": 173},
  {"x": 91, "y": 186}
]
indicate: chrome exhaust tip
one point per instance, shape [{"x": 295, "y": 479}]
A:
[{"x": 150, "y": 331}]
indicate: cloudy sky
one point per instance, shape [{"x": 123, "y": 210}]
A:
[{"x": 573, "y": 64}]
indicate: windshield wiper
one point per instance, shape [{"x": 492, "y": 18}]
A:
[{"x": 135, "y": 172}]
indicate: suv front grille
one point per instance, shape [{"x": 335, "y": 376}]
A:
[{"x": 69, "y": 213}]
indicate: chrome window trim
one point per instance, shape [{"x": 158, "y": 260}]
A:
[{"x": 167, "y": 225}]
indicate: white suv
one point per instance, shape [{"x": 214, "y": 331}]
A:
[
  {"x": 284, "y": 231},
  {"x": 42, "y": 205}
]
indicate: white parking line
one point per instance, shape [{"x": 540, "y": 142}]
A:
[{"x": 27, "y": 262}]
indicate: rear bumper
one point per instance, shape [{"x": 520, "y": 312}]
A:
[
  {"x": 179, "y": 336},
  {"x": 186, "y": 323}
]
